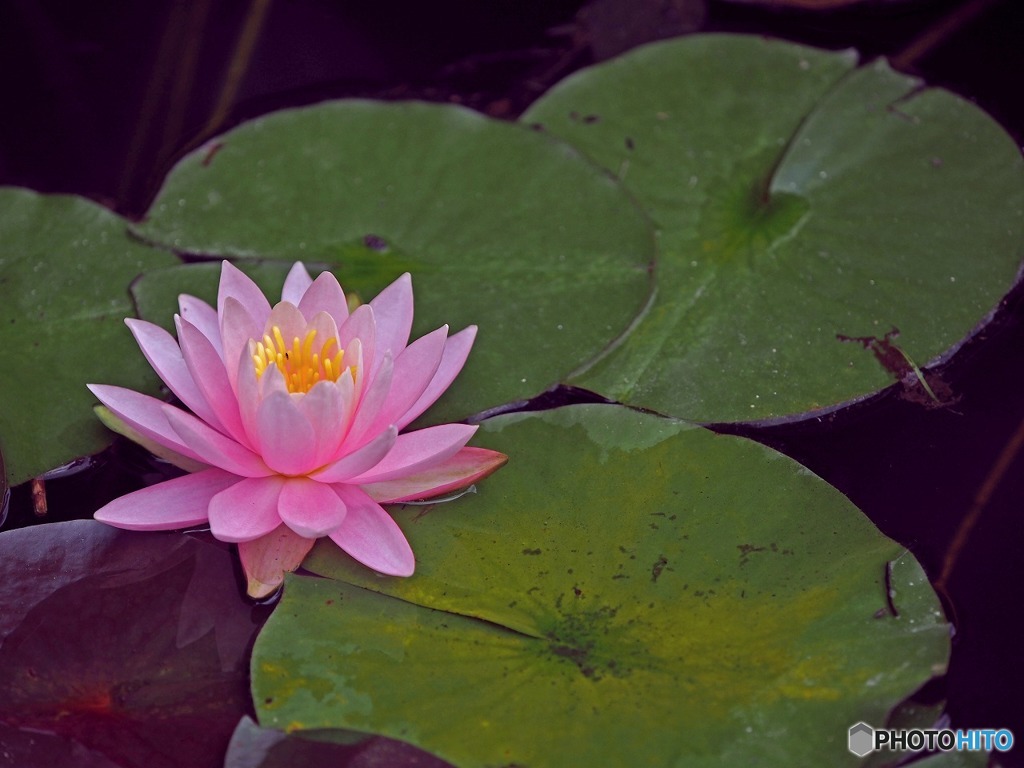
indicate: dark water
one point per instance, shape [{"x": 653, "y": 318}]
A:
[{"x": 88, "y": 109}]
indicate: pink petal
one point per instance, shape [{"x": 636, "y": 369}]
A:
[
  {"x": 237, "y": 328},
  {"x": 393, "y": 309},
  {"x": 289, "y": 320},
  {"x": 369, "y": 535},
  {"x": 359, "y": 325},
  {"x": 346, "y": 388},
  {"x": 247, "y": 510},
  {"x": 286, "y": 438},
  {"x": 325, "y": 295},
  {"x": 417, "y": 451},
  {"x": 414, "y": 369},
  {"x": 248, "y": 387},
  {"x": 327, "y": 410},
  {"x": 326, "y": 328},
  {"x": 360, "y": 460},
  {"x": 372, "y": 400},
  {"x": 236, "y": 284},
  {"x": 145, "y": 415},
  {"x": 165, "y": 356},
  {"x": 309, "y": 508},
  {"x": 456, "y": 350},
  {"x": 272, "y": 381},
  {"x": 267, "y": 559},
  {"x": 207, "y": 371},
  {"x": 214, "y": 448},
  {"x": 176, "y": 503},
  {"x": 464, "y": 468},
  {"x": 296, "y": 284},
  {"x": 203, "y": 317}
]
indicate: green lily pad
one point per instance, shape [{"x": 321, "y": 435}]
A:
[
  {"x": 797, "y": 199},
  {"x": 132, "y": 646},
  {"x": 499, "y": 225},
  {"x": 629, "y": 590},
  {"x": 65, "y": 267}
]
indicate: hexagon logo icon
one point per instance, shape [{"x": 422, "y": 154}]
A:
[{"x": 861, "y": 739}]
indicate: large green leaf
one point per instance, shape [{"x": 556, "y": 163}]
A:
[
  {"x": 796, "y": 199},
  {"x": 627, "y": 591},
  {"x": 500, "y": 226},
  {"x": 65, "y": 267}
]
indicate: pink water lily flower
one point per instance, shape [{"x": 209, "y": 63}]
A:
[{"x": 294, "y": 430}]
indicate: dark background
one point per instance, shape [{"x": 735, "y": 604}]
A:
[{"x": 100, "y": 98}]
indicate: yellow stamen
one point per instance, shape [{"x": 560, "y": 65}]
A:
[{"x": 299, "y": 364}]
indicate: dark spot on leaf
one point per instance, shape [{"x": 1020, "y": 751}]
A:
[
  {"x": 889, "y": 604},
  {"x": 887, "y": 353},
  {"x": 925, "y": 388},
  {"x": 658, "y": 567},
  {"x": 577, "y": 656},
  {"x": 376, "y": 243},
  {"x": 531, "y": 551},
  {"x": 746, "y": 550},
  {"x": 577, "y": 591},
  {"x": 629, "y": 143}
]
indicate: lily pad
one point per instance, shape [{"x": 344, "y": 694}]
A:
[
  {"x": 500, "y": 226},
  {"x": 629, "y": 590},
  {"x": 65, "y": 267},
  {"x": 133, "y": 646},
  {"x": 797, "y": 199}
]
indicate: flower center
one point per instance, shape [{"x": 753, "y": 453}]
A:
[{"x": 300, "y": 365}]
